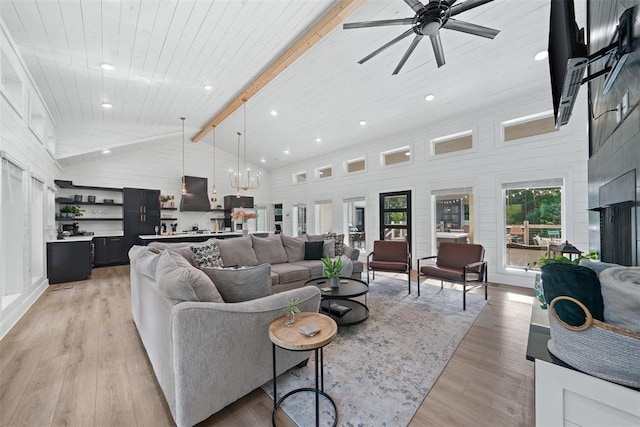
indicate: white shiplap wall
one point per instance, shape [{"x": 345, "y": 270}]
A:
[
  {"x": 21, "y": 145},
  {"x": 160, "y": 168},
  {"x": 561, "y": 154}
]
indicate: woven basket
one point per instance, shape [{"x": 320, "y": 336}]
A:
[{"x": 596, "y": 348}]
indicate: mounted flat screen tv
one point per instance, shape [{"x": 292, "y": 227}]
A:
[{"x": 568, "y": 59}]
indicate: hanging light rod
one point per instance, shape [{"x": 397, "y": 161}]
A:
[
  {"x": 334, "y": 17},
  {"x": 184, "y": 182}
]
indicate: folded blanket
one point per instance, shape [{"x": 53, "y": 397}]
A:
[{"x": 620, "y": 287}]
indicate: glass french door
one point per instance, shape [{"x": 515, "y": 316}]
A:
[{"x": 395, "y": 216}]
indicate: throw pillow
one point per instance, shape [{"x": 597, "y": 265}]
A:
[
  {"x": 329, "y": 248},
  {"x": 621, "y": 296},
  {"x": 575, "y": 281},
  {"x": 180, "y": 281},
  {"x": 269, "y": 250},
  {"x": 182, "y": 248},
  {"x": 242, "y": 284},
  {"x": 294, "y": 247},
  {"x": 338, "y": 241},
  {"x": 145, "y": 260},
  {"x": 237, "y": 252},
  {"x": 597, "y": 266},
  {"x": 313, "y": 250},
  {"x": 207, "y": 254}
]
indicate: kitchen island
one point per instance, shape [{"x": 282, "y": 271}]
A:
[{"x": 195, "y": 237}]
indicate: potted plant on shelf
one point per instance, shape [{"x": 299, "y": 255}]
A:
[
  {"x": 70, "y": 211},
  {"x": 164, "y": 198},
  {"x": 332, "y": 270},
  {"x": 291, "y": 310}
]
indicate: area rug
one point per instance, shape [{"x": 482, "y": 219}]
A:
[{"x": 379, "y": 372}]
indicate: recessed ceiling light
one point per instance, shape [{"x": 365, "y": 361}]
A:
[
  {"x": 286, "y": 151},
  {"x": 263, "y": 160},
  {"x": 543, "y": 54},
  {"x": 318, "y": 139},
  {"x": 363, "y": 122},
  {"x": 274, "y": 113},
  {"x": 106, "y": 151},
  {"x": 207, "y": 87},
  {"x": 430, "y": 97},
  {"x": 106, "y": 105},
  {"x": 107, "y": 67}
]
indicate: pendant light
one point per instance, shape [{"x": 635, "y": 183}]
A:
[
  {"x": 215, "y": 197},
  {"x": 184, "y": 183},
  {"x": 243, "y": 180}
]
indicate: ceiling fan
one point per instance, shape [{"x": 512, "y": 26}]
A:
[{"x": 428, "y": 21}]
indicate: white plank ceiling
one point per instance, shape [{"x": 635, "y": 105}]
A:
[{"x": 165, "y": 51}]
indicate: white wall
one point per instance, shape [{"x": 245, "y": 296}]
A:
[
  {"x": 21, "y": 146},
  {"x": 561, "y": 154},
  {"x": 161, "y": 169}
]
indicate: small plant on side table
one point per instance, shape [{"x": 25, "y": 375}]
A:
[
  {"x": 291, "y": 310},
  {"x": 332, "y": 270}
]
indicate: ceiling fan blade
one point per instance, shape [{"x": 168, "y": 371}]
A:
[
  {"x": 469, "y": 4},
  {"x": 415, "y": 5},
  {"x": 408, "y": 53},
  {"x": 467, "y": 27},
  {"x": 392, "y": 42},
  {"x": 437, "y": 49},
  {"x": 365, "y": 24}
]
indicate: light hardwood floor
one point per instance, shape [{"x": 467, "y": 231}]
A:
[{"x": 75, "y": 359}]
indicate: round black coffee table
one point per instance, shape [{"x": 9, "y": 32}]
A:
[{"x": 336, "y": 300}]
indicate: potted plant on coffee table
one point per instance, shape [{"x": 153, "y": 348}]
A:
[
  {"x": 332, "y": 270},
  {"x": 291, "y": 310}
]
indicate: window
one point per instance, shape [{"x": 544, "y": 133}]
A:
[
  {"x": 261, "y": 221},
  {"x": 300, "y": 177},
  {"x": 399, "y": 155},
  {"x": 524, "y": 127},
  {"x": 533, "y": 220},
  {"x": 450, "y": 144},
  {"x": 324, "y": 172},
  {"x": 12, "y": 267},
  {"x": 10, "y": 84},
  {"x": 354, "y": 222},
  {"x": 355, "y": 165},
  {"x": 453, "y": 215},
  {"x": 324, "y": 217},
  {"x": 299, "y": 218},
  {"x": 37, "y": 230},
  {"x": 395, "y": 214}
]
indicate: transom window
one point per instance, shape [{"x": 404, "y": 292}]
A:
[{"x": 399, "y": 155}]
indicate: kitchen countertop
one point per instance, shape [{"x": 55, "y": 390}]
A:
[
  {"x": 85, "y": 238},
  {"x": 208, "y": 234}
]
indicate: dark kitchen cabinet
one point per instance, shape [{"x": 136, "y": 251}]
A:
[
  {"x": 68, "y": 261},
  {"x": 141, "y": 215},
  {"x": 231, "y": 202},
  {"x": 109, "y": 250}
]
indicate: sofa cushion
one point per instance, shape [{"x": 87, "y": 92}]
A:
[
  {"x": 314, "y": 266},
  {"x": 275, "y": 279},
  {"x": 145, "y": 260},
  {"x": 329, "y": 248},
  {"x": 269, "y": 250},
  {"x": 288, "y": 272},
  {"x": 241, "y": 284},
  {"x": 180, "y": 281},
  {"x": 294, "y": 247},
  {"x": 237, "y": 252},
  {"x": 182, "y": 248},
  {"x": 313, "y": 250},
  {"x": 206, "y": 254}
]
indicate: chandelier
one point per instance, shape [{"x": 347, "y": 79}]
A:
[{"x": 243, "y": 179}]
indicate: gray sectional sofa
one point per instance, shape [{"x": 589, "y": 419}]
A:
[
  {"x": 289, "y": 269},
  {"x": 207, "y": 353}
]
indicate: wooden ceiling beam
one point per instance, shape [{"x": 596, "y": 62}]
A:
[{"x": 328, "y": 22}]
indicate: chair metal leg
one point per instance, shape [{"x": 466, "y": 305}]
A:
[
  {"x": 441, "y": 284},
  {"x": 418, "y": 280},
  {"x": 464, "y": 296},
  {"x": 409, "y": 281}
]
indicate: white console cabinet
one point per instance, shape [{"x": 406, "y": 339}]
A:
[{"x": 565, "y": 397}]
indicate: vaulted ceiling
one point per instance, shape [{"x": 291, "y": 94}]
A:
[{"x": 165, "y": 52}]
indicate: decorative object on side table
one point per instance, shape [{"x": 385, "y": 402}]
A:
[
  {"x": 539, "y": 292},
  {"x": 332, "y": 270},
  {"x": 291, "y": 310}
]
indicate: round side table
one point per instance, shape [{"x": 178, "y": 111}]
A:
[{"x": 290, "y": 338}]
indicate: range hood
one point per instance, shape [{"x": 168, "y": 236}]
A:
[{"x": 197, "y": 198}]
